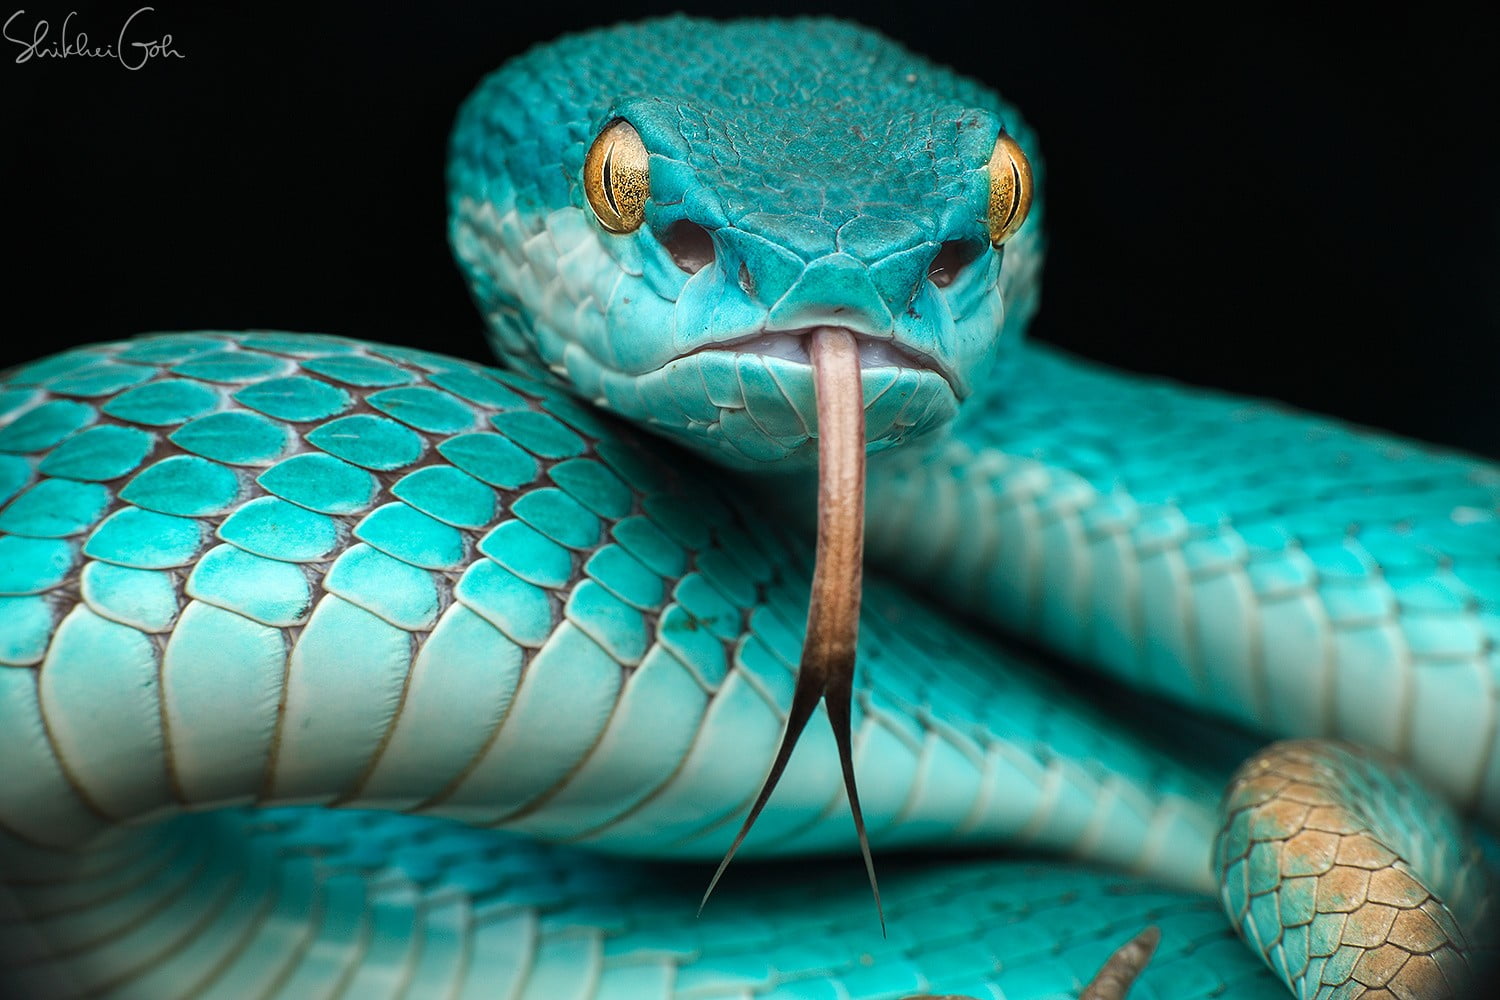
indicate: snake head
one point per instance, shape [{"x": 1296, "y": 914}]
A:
[{"x": 664, "y": 233}]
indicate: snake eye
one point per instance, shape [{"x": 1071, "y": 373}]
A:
[
  {"x": 617, "y": 177},
  {"x": 1010, "y": 189}
]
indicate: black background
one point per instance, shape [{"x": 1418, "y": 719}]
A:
[{"x": 1300, "y": 210}]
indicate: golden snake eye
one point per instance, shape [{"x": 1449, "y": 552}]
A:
[
  {"x": 1010, "y": 189},
  {"x": 617, "y": 177}
]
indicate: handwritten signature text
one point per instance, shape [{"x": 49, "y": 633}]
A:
[{"x": 128, "y": 49}]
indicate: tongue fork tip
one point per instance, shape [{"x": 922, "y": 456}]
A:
[{"x": 826, "y": 671}]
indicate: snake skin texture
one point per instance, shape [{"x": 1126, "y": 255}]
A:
[
  {"x": 1006, "y": 755},
  {"x": 1304, "y": 864},
  {"x": 545, "y": 614},
  {"x": 202, "y": 530},
  {"x": 1272, "y": 568},
  {"x": 302, "y": 903},
  {"x": 485, "y": 660}
]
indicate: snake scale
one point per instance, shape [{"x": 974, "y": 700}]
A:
[{"x": 335, "y": 669}]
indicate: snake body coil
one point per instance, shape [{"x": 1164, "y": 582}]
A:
[{"x": 337, "y": 669}]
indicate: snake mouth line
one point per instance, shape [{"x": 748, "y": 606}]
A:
[{"x": 795, "y": 345}]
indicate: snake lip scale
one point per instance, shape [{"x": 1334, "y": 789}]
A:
[{"x": 792, "y": 344}]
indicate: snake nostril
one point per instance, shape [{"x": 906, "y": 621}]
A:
[
  {"x": 690, "y": 246},
  {"x": 952, "y": 257}
]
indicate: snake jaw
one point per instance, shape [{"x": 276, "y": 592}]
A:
[{"x": 826, "y": 670}]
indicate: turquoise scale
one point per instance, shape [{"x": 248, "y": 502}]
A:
[
  {"x": 275, "y": 529},
  {"x": 528, "y": 554},
  {"x": 234, "y": 438},
  {"x": 184, "y": 485},
  {"x": 412, "y": 537},
  {"x": 321, "y": 483},
  {"x": 268, "y": 591},
  {"x": 424, "y": 408},
  {"x": 367, "y": 441},
  {"x": 55, "y": 508},
  {"x": 296, "y": 398},
  {"x": 131, "y": 536},
  {"x": 144, "y": 599},
  {"x": 448, "y": 495},
  {"x": 98, "y": 454},
  {"x": 163, "y": 402},
  {"x": 492, "y": 459}
]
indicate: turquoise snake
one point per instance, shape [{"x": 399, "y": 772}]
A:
[{"x": 299, "y": 571}]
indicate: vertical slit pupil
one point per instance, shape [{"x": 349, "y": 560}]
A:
[
  {"x": 608, "y": 178},
  {"x": 1015, "y": 195}
]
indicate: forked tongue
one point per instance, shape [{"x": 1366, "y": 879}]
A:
[{"x": 827, "y": 668}]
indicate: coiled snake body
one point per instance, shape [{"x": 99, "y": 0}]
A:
[{"x": 512, "y": 638}]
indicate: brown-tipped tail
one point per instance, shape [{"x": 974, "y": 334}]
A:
[{"x": 1123, "y": 967}]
